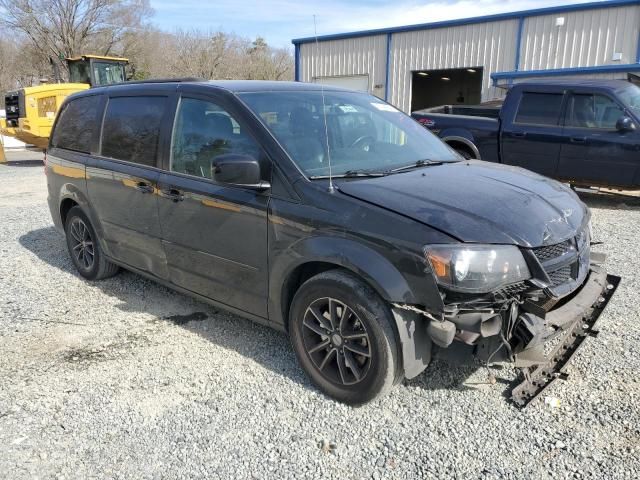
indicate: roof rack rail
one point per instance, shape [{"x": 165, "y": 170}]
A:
[{"x": 157, "y": 80}]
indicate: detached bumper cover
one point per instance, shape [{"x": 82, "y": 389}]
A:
[{"x": 577, "y": 321}]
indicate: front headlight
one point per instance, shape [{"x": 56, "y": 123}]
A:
[{"x": 476, "y": 268}]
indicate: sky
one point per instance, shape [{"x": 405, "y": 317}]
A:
[{"x": 279, "y": 21}]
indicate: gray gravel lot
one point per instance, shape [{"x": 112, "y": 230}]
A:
[{"x": 127, "y": 379}]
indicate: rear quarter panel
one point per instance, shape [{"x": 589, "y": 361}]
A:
[
  {"x": 482, "y": 132},
  {"x": 66, "y": 179}
]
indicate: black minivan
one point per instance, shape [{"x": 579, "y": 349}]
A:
[{"x": 330, "y": 215}]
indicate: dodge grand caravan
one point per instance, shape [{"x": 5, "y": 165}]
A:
[{"x": 332, "y": 216}]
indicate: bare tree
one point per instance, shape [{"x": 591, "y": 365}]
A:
[
  {"x": 34, "y": 32},
  {"x": 262, "y": 62},
  {"x": 219, "y": 55},
  {"x": 63, "y": 28}
]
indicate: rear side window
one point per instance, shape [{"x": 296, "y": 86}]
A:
[
  {"x": 77, "y": 124},
  {"x": 539, "y": 108},
  {"x": 132, "y": 129}
]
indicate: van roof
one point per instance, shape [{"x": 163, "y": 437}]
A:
[{"x": 236, "y": 86}]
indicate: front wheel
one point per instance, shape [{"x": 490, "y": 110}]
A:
[{"x": 343, "y": 335}]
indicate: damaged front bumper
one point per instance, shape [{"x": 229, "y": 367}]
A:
[
  {"x": 537, "y": 338},
  {"x": 573, "y": 322}
]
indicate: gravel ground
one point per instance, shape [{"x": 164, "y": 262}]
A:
[{"x": 127, "y": 379}]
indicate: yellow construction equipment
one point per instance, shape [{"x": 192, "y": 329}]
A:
[
  {"x": 3, "y": 157},
  {"x": 30, "y": 111}
]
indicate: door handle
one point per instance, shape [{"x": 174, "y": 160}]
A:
[
  {"x": 144, "y": 187},
  {"x": 519, "y": 134},
  {"x": 172, "y": 194},
  {"x": 578, "y": 140}
]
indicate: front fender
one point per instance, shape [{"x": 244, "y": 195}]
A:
[{"x": 400, "y": 281}]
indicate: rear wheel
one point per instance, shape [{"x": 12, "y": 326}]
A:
[
  {"x": 84, "y": 248},
  {"x": 342, "y": 333},
  {"x": 464, "y": 153}
]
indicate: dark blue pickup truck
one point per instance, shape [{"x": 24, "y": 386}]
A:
[{"x": 585, "y": 132}]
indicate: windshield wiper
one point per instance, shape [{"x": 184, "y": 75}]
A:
[
  {"x": 351, "y": 174},
  {"x": 417, "y": 164}
]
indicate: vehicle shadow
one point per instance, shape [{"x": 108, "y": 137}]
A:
[
  {"x": 259, "y": 343},
  {"x": 609, "y": 200}
]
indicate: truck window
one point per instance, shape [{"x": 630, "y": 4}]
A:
[
  {"x": 539, "y": 108},
  {"x": 203, "y": 131},
  {"x": 132, "y": 128},
  {"x": 593, "y": 111},
  {"x": 77, "y": 123}
]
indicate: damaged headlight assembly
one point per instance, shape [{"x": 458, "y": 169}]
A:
[{"x": 476, "y": 269}]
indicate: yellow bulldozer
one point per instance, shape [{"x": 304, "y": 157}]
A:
[{"x": 30, "y": 111}]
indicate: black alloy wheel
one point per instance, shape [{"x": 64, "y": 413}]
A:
[
  {"x": 82, "y": 244},
  {"x": 344, "y": 336},
  {"x": 336, "y": 341},
  {"x": 84, "y": 247}
]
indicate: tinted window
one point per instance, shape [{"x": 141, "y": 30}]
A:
[
  {"x": 539, "y": 108},
  {"x": 353, "y": 131},
  {"x": 593, "y": 111},
  {"x": 77, "y": 123},
  {"x": 202, "y": 132},
  {"x": 132, "y": 129}
]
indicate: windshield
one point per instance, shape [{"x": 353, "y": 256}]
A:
[
  {"x": 364, "y": 133},
  {"x": 107, "y": 73},
  {"x": 630, "y": 96}
]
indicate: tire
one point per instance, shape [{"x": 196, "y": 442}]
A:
[
  {"x": 464, "y": 153},
  {"x": 84, "y": 247},
  {"x": 355, "y": 359}
]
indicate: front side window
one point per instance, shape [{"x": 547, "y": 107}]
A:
[
  {"x": 76, "y": 124},
  {"x": 539, "y": 108},
  {"x": 202, "y": 132},
  {"x": 593, "y": 111},
  {"x": 132, "y": 129},
  {"x": 353, "y": 131}
]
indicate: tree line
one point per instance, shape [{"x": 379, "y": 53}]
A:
[{"x": 37, "y": 35}]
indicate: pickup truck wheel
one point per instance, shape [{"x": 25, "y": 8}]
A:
[
  {"x": 464, "y": 153},
  {"x": 84, "y": 247},
  {"x": 342, "y": 333}
]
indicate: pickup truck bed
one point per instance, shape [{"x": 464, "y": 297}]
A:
[{"x": 585, "y": 132}]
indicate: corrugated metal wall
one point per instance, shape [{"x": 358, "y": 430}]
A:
[
  {"x": 354, "y": 56},
  {"x": 588, "y": 38},
  {"x": 489, "y": 45}
]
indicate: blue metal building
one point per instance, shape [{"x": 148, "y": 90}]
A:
[{"x": 469, "y": 60}]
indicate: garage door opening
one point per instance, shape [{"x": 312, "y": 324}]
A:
[{"x": 458, "y": 86}]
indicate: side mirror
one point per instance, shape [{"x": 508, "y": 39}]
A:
[
  {"x": 625, "y": 124},
  {"x": 241, "y": 170}
]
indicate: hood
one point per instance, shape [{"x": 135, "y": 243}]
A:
[{"x": 479, "y": 202}]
